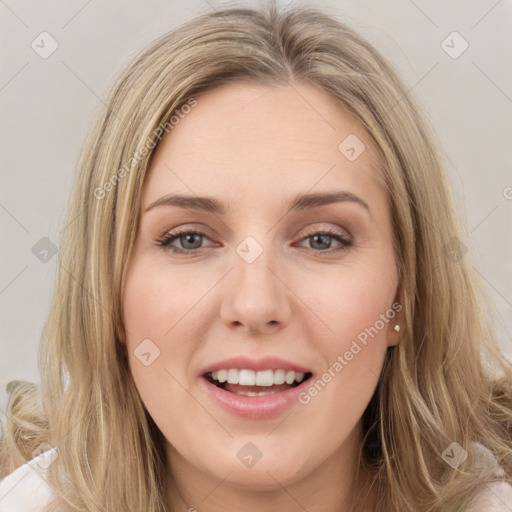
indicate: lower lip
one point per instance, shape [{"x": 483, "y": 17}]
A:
[{"x": 255, "y": 407}]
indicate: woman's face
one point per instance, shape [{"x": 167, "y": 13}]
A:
[{"x": 260, "y": 275}]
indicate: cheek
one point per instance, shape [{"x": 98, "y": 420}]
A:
[
  {"x": 155, "y": 299},
  {"x": 159, "y": 308},
  {"x": 351, "y": 301},
  {"x": 351, "y": 344},
  {"x": 355, "y": 311}
]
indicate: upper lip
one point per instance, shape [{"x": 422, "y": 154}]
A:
[{"x": 265, "y": 363}]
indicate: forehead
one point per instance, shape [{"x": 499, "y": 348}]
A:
[{"x": 259, "y": 139}]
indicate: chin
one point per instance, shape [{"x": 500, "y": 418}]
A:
[{"x": 267, "y": 474}]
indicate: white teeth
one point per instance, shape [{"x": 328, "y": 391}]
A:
[
  {"x": 252, "y": 393},
  {"x": 279, "y": 376},
  {"x": 233, "y": 376},
  {"x": 290, "y": 377},
  {"x": 245, "y": 377},
  {"x": 265, "y": 378}
]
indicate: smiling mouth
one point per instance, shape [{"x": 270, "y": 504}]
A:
[{"x": 251, "y": 389}]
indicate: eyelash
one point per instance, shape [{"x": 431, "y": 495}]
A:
[{"x": 171, "y": 236}]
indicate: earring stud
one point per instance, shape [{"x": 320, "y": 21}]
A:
[{"x": 396, "y": 328}]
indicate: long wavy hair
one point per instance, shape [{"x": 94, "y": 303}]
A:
[{"x": 446, "y": 381}]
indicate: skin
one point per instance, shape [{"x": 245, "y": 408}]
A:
[{"x": 255, "y": 147}]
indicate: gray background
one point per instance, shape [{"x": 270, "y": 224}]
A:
[{"x": 47, "y": 107}]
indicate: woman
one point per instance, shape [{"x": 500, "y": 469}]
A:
[{"x": 260, "y": 302}]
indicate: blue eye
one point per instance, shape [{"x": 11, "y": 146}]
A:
[
  {"x": 191, "y": 241},
  {"x": 325, "y": 237},
  {"x": 188, "y": 241}
]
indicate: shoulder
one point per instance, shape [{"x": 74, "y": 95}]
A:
[
  {"x": 26, "y": 489},
  {"x": 494, "y": 496}
]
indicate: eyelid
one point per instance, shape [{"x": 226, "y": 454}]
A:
[{"x": 328, "y": 229}]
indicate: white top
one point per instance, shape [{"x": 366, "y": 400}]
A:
[{"x": 26, "y": 490}]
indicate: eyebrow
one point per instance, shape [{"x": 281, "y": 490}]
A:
[{"x": 300, "y": 202}]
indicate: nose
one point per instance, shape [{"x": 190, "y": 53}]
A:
[{"x": 255, "y": 296}]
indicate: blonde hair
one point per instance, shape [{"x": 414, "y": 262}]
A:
[{"x": 424, "y": 402}]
